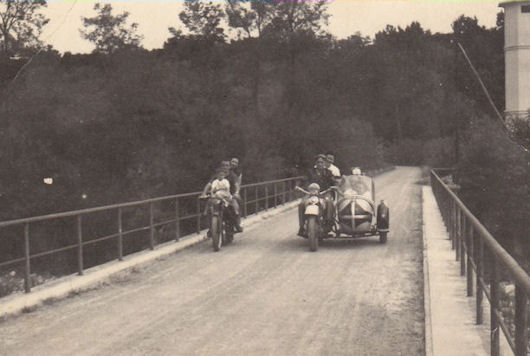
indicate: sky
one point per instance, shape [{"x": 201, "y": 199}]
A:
[{"x": 347, "y": 17}]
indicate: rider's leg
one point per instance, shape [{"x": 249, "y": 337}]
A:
[
  {"x": 301, "y": 211},
  {"x": 329, "y": 209},
  {"x": 237, "y": 218}
]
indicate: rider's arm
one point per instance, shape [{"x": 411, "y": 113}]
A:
[
  {"x": 240, "y": 179},
  {"x": 237, "y": 188}
]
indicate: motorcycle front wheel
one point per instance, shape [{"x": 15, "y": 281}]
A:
[
  {"x": 312, "y": 232},
  {"x": 216, "y": 231}
]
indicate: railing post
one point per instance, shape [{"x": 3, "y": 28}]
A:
[
  {"x": 275, "y": 194},
  {"x": 79, "y": 246},
  {"x": 284, "y": 186},
  {"x": 494, "y": 305},
  {"x": 470, "y": 248},
  {"x": 27, "y": 270},
  {"x": 177, "y": 220},
  {"x": 457, "y": 235},
  {"x": 453, "y": 222},
  {"x": 266, "y": 197},
  {"x": 463, "y": 247},
  {"x": 151, "y": 227},
  {"x": 256, "y": 201},
  {"x": 120, "y": 235},
  {"x": 480, "y": 276},
  {"x": 198, "y": 216},
  {"x": 245, "y": 212},
  {"x": 521, "y": 322}
]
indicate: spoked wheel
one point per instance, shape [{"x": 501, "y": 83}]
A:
[
  {"x": 216, "y": 229},
  {"x": 383, "y": 237},
  {"x": 312, "y": 233}
]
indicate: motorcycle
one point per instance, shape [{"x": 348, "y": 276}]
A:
[
  {"x": 315, "y": 224},
  {"x": 221, "y": 221}
]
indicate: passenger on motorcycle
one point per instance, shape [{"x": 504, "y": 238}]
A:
[
  {"x": 323, "y": 179},
  {"x": 330, "y": 160},
  {"x": 236, "y": 173}
]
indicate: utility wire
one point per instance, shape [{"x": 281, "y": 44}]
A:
[
  {"x": 488, "y": 96},
  {"x": 43, "y": 46}
]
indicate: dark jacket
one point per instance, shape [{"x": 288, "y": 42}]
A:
[{"x": 322, "y": 177}]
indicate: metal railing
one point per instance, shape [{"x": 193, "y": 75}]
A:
[
  {"x": 472, "y": 242},
  {"x": 255, "y": 197}
]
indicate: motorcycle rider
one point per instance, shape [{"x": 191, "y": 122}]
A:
[
  {"x": 220, "y": 186},
  {"x": 323, "y": 178},
  {"x": 233, "y": 190}
]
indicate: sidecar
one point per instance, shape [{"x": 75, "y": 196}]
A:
[{"x": 356, "y": 212}]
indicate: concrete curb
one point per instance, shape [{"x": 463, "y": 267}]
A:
[
  {"x": 92, "y": 277},
  {"x": 450, "y": 328},
  {"x": 426, "y": 287}
]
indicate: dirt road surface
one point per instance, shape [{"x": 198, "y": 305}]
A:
[{"x": 264, "y": 295}]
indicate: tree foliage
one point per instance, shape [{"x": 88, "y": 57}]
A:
[
  {"x": 251, "y": 17},
  {"x": 203, "y": 19},
  {"x": 21, "y": 24},
  {"x": 110, "y": 32}
]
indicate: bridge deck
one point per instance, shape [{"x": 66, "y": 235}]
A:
[{"x": 265, "y": 294}]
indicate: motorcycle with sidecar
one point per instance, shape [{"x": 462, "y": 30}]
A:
[{"x": 355, "y": 213}]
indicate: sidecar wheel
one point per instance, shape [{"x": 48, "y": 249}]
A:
[{"x": 312, "y": 233}]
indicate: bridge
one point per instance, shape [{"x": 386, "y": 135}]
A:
[{"x": 420, "y": 293}]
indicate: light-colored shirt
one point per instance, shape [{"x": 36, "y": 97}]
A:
[
  {"x": 221, "y": 188},
  {"x": 335, "y": 171}
]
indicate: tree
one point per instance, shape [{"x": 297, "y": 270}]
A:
[
  {"x": 252, "y": 17},
  {"x": 110, "y": 32},
  {"x": 296, "y": 24},
  {"x": 20, "y": 25},
  {"x": 292, "y": 17},
  {"x": 202, "y": 19}
]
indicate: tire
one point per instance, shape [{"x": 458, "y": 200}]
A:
[
  {"x": 216, "y": 231},
  {"x": 383, "y": 237},
  {"x": 312, "y": 233},
  {"x": 383, "y": 217},
  {"x": 229, "y": 234}
]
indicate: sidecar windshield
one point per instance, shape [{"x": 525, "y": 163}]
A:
[{"x": 356, "y": 185}]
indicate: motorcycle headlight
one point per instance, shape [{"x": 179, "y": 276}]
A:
[{"x": 313, "y": 200}]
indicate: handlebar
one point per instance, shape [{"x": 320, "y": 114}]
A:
[{"x": 324, "y": 192}]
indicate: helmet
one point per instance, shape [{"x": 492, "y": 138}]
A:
[{"x": 356, "y": 171}]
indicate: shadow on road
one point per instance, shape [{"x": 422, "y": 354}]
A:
[{"x": 293, "y": 243}]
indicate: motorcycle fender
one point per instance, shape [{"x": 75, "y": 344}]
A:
[{"x": 312, "y": 210}]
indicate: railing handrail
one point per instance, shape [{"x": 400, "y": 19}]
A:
[
  {"x": 469, "y": 238},
  {"x": 266, "y": 195},
  {"x": 517, "y": 272},
  {"x": 123, "y": 205}
]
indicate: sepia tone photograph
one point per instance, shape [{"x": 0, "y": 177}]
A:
[{"x": 265, "y": 177}]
